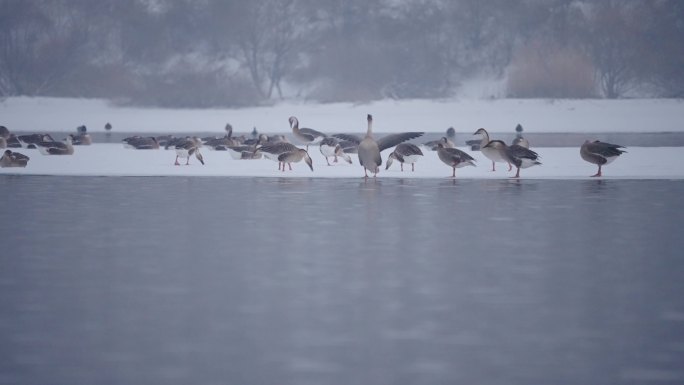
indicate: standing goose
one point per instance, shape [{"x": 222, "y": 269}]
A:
[
  {"x": 405, "y": 153},
  {"x": 295, "y": 156},
  {"x": 369, "y": 149},
  {"x": 331, "y": 147},
  {"x": 13, "y": 159},
  {"x": 517, "y": 155},
  {"x": 305, "y": 135},
  {"x": 186, "y": 148},
  {"x": 600, "y": 153},
  {"x": 490, "y": 152},
  {"x": 273, "y": 151},
  {"x": 454, "y": 158}
]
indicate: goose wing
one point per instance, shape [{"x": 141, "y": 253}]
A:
[
  {"x": 392, "y": 140},
  {"x": 604, "y": 149},
  {"x": 408, "y": 149},
  {"x": 313, "y": 134},
  {"x": 348, "y": 138}
]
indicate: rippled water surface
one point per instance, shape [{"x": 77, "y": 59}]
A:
[{"x": 329, "y": 281}]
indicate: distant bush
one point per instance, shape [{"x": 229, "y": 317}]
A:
[{"x": 540, "y": 72}]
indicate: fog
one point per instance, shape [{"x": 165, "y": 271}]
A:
[{"x": 217, "y": 53}]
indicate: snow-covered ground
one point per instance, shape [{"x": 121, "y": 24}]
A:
[
  {"x": 593, "y": 117},
  {"x": 499, "y": 115},
  {"x": 558, "y": 163}
]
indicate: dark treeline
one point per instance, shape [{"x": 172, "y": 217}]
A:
[{"x": 202, "y": 53}]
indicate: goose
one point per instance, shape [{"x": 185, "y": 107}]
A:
[
  {"x": 186, "y": 148},
  {"x": 519, "y": 156},
  {"x": 405, "y": 153},
  {"x": 82, "y": 139},
  {"x": 305, "y": 135},
  {"x": 295, "y": 156},
  {"x": 519, "y": 140},
  {"x": 108, "y": 127},
  {"x": 273, "y": 151},
  {"x": 331, "y": 147},
  {"x": 448, "y": 139},
  {"x": 4, "y": 132},
  {"x": 13, "y": 159},
  {"x": 432, "y": 145},
  {"x": 13, "y": 141},
  {"x": 141, "y": 143},
  {"x": 56, "y": 148},
  {"x": 30, "y": 140},
  {"x": 600, "y": 153},
  {"x": 454, "y": 158},
  {"x": 369, "y": 150},
  {"x": 490, "y": 152}
]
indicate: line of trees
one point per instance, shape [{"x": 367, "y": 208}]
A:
[{"x": 203, "y": 53}]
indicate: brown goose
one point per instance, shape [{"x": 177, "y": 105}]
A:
[
  {"x": 369, "y": 149},
  {"x": 305, "y": 135},
  {"x": 600, "y": 153},
  {"x": 13, "y": 159},
  {"x": 519, "y": 156},
  {"x": 454, "y": 158},
  {"x": 295, "y": 156},
  {"x": 331, "y": 147},
  {"x": 188, "y": 147},
  {"x": 404, "y": 153},
  {"x": 56, "y": 148},
  {"x": 490, "y": 152}
]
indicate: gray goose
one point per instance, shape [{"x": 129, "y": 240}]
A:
[
  {"x": 405, "y": 153},
  {"x": 13, "y": 159},
  {"x": 331, "y": 147},
  {"x": 305, "y": 135},
  {"x": 600, "y": 153},
  {"x": 514, "y": 154},
  {"x": 56, "y": 148},
  {"x": 141, "y": 143},
  {"x": 369, "y": 149},
  {"x": 295, "y": 156},
  {"x": 432, "y": 145},
  {"x": 490, "y": 152},
  {"x": 519, "y": 140},
  {"x": 454, "y": 158},
  {"x": 31, "y": 140},
  {"x": 273, "y": 151},
  {"x": 186, "y": 148}
]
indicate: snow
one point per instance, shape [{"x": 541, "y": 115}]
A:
[
  {"x": 558, "y": 163},
  {"x": 465, "y": 115},
  {"x": 593, "y": 117}
]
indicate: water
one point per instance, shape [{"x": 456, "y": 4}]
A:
[{"x": 296, "y": 281}]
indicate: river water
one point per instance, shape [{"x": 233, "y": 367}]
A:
[{"x": 340, "y": 281}]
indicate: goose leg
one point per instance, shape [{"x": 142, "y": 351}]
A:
[
  {"x": 288, "y": 165},
  {"x": 598, "y": 173},
  {"x": 510, "y": 167},
  {"x": 517, "y": 173},
  {"x": 176, "y": 163},
  {"x": 334, "y": 161},
  {"x": 402, "y": 167},
  {"x": 413, "y": 167},
  {"x": 453, "y": 174},
  {"x": 326, "y": 160},
  {"x": 493, "y": 166}
]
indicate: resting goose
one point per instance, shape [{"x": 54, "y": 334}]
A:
[
  {"x": 141, "y": 143},
  {"x": 490, "y": 152},
  {"x": 56, "y": 148},
  {"x": 405, "y": 153},
  {"x": 331, "y": 147},
  {"x": 13, "y": 159},
  {"x": 519, "y": 156},
  {"x": 454, "y": 158},
  {"x": 369, "y": 149},
  {"x": 31, "y": 140},
  {"x": 600, "y": 153},
  {"x": 305, "y": 135}
]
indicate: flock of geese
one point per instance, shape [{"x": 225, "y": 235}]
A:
[{"x": 278, "y": 148}]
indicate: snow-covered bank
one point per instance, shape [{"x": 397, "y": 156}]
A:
[
  {"x": 558, "y": 163},
  {"x": 501, "y": 115}
]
